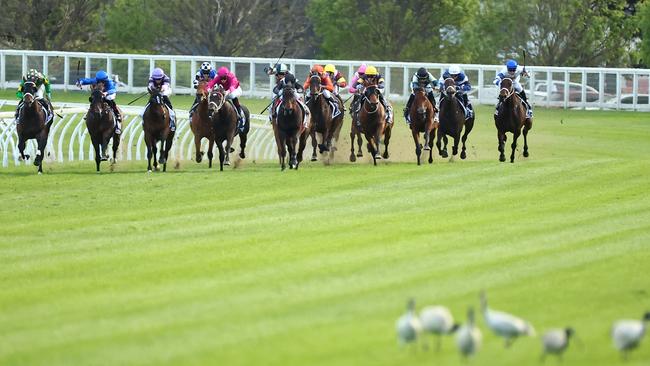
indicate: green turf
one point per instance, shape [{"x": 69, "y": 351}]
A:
[{"x": 253, "y": 266}]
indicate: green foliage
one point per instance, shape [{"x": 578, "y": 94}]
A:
[
  {"x": 415, "y": 30},
  {"x": 643, "y": 14},
  {"x": 132, "y": 26}
]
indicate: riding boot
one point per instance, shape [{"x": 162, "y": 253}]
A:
[
  {"x": 529, "y": 109},
  {"x": 172, "y": 113},
  {"x": 389, "y": 109},
  {"x": 432, "y": 98},
  {"x": 118, "y": 116},
  {"x": 195, "y": 105},
  {"x": 470, "y": 111},
  {"x": 20, "y": 105},
  {"x": 408, "y": 108},
  {"x": 240, "y": 114},
  {"x": 335, "y": 105}
]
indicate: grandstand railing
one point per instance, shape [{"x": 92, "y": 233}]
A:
[
  {"x": 69, "y": 139},
  {"x": 570, "y": 87}
]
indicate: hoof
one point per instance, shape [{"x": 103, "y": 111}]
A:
[
  {"x": 430, "y": 160},
  {"x": 359, "y": 154},
  {"x": 444, "y": 154},
  {"x": 242, "y": 155},
  {"x": 463, "y": 155},
  {"x": 227, "y": 163},
  {"x": 377, "y": 157},
  {"x": 40, "y": 173},
  {"x": 353, "y": 158},
  {"x": 103, "y": 158},
  {"x": 232, "y": 149},
  {"x": 502, "y": 158},
  {"x": 199, "y": 158},
  {"x": 386, "y": 156},
  {"x": 525, "y": 154},
  {"x": 26, "y": 157},
  {"x": 314, "y": 158},
  {"x": 427, "y": 148},
  {"x": 149, "y": 171},
  {"x": 162, "y": 161}
]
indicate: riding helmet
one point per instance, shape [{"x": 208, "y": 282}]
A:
[
  {"x": 422, "y": 73},
  {"x": 101, "y": 75},
  {"x": 511, "y": 65},
  {"x": 206, "y": 67}
]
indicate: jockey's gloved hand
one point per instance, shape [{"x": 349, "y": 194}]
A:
[
  {"x": 78, "y": 83},
  {"x": 359, "y": 87},
  {"x": 49, "y": 96},
  {"x": 196, "y": 83}
]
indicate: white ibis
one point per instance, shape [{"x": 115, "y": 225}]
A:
[
  {"x": 627, "y": 334},
  {"x": 556, "y": 341},
  {"x": 437, "y": 320},
  {"x": 408, "y": 325},
  {"x": 505, "y": 325},
  {"x": 468, "y": 336}
]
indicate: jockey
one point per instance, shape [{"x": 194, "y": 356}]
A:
[
  {"x": 373, "y": 77},
  {"x": 462, "y": 87},
  {"x": 284, "y": 77},
  {"x": 424, "y": 80},
  {"x": 107, "y": 86},
  {"x": 514, "y": 72},
  {"x": 336, "y": 77},
  {"x": 352, "y": 88},
  {"x": 42, "y": 85},
  {"x": 228, "y": 81},
  {"x": 205, "y": 73},
  {"x": 159, "y": 82},
  {"x": 325, "y": 85}
]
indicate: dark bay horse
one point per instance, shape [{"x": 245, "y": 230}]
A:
[
  {"x": 100, "y": 121},
  {"x": 201, "y": 125},
  {"x": 32, "y": 124},
  {"x": 422, "y": 113},
  {"x": 321, "y": 116},
  {"x": 373, "y": 122},
  {"x": 289, "y": 129},
  {"x": 156, "y": 129},
  {"x": 224, "y": 124},
  {"x": 511, "y": 117},
  {"x": 452, "y": 120},
  {"x": 355, "y": 131}
]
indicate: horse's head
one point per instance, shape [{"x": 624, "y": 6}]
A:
[
  {"x": 97, "y": 101},
  {"x": 216, "y": 100},
  {"x": 29, "y": 93},
  {"x": 156, "y": 97},
  {"x": 505, "y": 89},
  {"x": 450, "y": 86},
  {"x": 314, "y": 85},
  {"x": 371, "y": 94},
  {"x": 288, "y": 99},
  {"x": 202, "y": 90}
]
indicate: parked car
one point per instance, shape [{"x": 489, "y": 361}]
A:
[
  {"x": 557, "y": 92},
  {"x": 629, "y": 99}
]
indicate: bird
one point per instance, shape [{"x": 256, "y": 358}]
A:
[
  {"x": 437, "y": 320},
  {"x": 408, "y": 325},
  {"x": 556, "y": 341},
  {"x": 505, "y": 325},
  {"x": 627, "y": 334},
  {"x": 468, "y": 336}
]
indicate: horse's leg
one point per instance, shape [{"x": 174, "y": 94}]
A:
[
  {"x": 301, "y": 146},
  {"x": 154, "y": 152},
  {"x": 360, "y": 145},
  {"x": 501, "y": 138},
  {"x": 515, "y": 135},
  {"x": 197, "y": 147},
  {"x": 469, "y": 125},
  {"x": 149, "y": 151},
  {"x": 21, "y": 148},
  {"x": 40, "y": 153},
  {"x": 427, "y": 134},
  {"x": 282, "y": 150},
  {"x": 314, "y": 144},
  {"x": 439, "y": 143},
  {"x": 222, "y": 153},
  {"x": 210, "y": 152},
  {"x": 116, "y": 146},
  {"x": 226, "y": 160},
  {"x": 432, "y": 136},
  {"x": 527, "y": 126},
  {"x": 96, "y": 146},
  {"x": 352, "y": 135},
  {"x": 418, "y": 147},
  {"x": 291, "y": 146},
  {"x": 444, "y": 148},
  {"x": 387, "y": 132},
  {"x": 243, "y": 137},
  {"x": 168, "y": 146}
]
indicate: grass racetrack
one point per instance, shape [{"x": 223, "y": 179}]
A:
[{"x": 253, "y": 266}]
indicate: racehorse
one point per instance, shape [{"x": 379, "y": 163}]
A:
[
  {"x": 322, "y": 121},
  {"x": 289, "y": 129},
  {"x": 32, "y": 124},
  {"x": 421, "y": 114},
  {"x": 511, "y": 117},
  {"x": 100, "y": 121},
  {"x": 223, "y": 115},
  {"x": 373, "y": 122},
  {"x": 355, "y": 132},
  {"x": 157, "y": 129},
  {"x": 452, "y": 120},
  {"x": 201, "y": 125}
]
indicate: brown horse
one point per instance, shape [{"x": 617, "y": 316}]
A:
[
  {"x": 223, "y": 115},
  {"x": 452, "y": 120},
  {"x": 322, "y": 121},
  {"x": 156, "y": 129},
  {"x": 289, "y": 129},
  {"x": 421, "y": 114},
  {"x": 32, "y": 124},
  {"x": 100, "y": 121},
  {"x": 355, "y": 130},
  {"x": 511, "y": 117},
  {"x": 373, "y": 122},
  {"x": 201, "y": 125}
]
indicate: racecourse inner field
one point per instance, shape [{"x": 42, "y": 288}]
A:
[{"x": 312, "y": 267}]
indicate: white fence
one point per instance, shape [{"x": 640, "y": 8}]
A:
[
  {"x": 69, "y": 141},
  {"x": 568, "y": 87}
]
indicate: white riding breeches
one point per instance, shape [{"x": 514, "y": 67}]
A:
[{"x": 235, "y": 93}]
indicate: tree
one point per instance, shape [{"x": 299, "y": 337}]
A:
[
  {"x": 51, "y": 24},
  {"x": 555, "y": 32},
  {"x": 131, "y": 26},
  {"x": 643, "y": 13},
  {"x": 413, "y": 30}
]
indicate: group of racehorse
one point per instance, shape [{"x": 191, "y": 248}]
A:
[{"x": 216, "y": 120}]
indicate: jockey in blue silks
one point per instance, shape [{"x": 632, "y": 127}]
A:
[
  {"x": 514, "y": 72},
  {"x": 462, "y": 87},
  {"x": 107, "y": 86}
]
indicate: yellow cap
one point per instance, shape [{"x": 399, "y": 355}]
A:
[{"x": 371, "y": 71}]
